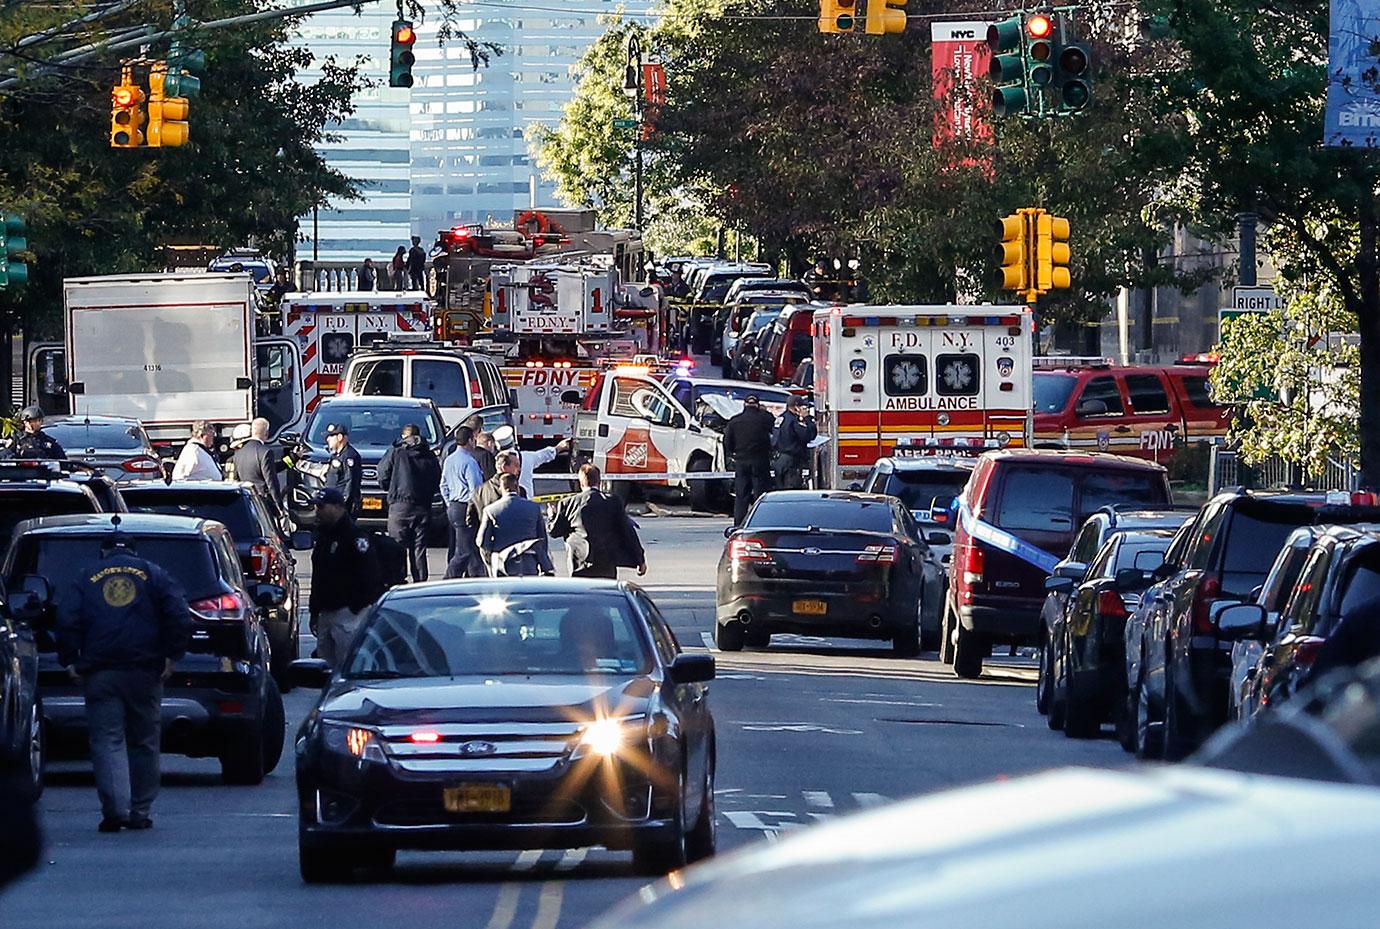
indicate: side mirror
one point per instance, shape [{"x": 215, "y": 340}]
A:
[
  {"x": 1239, "y": 621},
  {"x": 729, "y": 530},
  {"x": 938, "y": 538},
  {"x": 691, "y": 669},
  {"x": 269, "y": 595},
  {"x": 677, "y": 421},
  {"x": 1073, "y": 570},
  {"x": 1163, "y": 572},
  {"x": 1056, "y": 584},
  {"x": 309, "y": 672},
  {"x": 301, "y": 541},
  {"x": 1130, "y": 579},
  {"x": 572, "y": 397},
  {"x": 31, "y": 599}
]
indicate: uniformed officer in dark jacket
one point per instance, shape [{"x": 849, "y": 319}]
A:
[
  {"x": 256, "y": 463},
  {"x": 345, "y": 576},
  {"x": 121, "y": 626},
  {"x": 344, "y": 469},
  {"x": 599, "y": 535},
  {"x": 411, "y": 474},
  {"x": 747, "y": 444},
  {"x": 488, "y": 466},
  {"x": 33, "y": 442},
  {"x": 794, "y": 433}
]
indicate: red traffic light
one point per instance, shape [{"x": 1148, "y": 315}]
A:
[
  {"x": 404, "y": 35},
  {"x": 1039, "y": 26},
  {"x": 124, "y": 96}
]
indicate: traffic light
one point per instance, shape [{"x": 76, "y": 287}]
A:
[
  {"x": 1052, "y": 253},
  {"x": 13, "y": 241},
  {"x": 1039, "y": 49},
  {"x": 882, "y": 18},
  {"x": 1013, "y": 252},
  {"x": 168, "y": 126},
  {"x": 1072, "y": 77},
  {"x": 400, "y": 56},
  {"x": 126, "y": 112},
  {"x": 184, "y": 64},
  {"x": 836, "y": 16},
  {"x": 1006, "y": 39}
]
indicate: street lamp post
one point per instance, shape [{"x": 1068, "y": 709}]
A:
[{"x": 632, "y": 86}]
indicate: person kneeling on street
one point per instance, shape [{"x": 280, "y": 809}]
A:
[{"x": 345, "y": 576}]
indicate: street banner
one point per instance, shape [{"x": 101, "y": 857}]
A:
[
  {"x": 653, "y": 96},
  {"x": 1353, "y": 75},
  {"x": 958, "y": 58}
]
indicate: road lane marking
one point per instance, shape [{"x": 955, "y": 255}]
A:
[
  {"x": 527, "y": 860},
  {"x": 549, "y": 905},
  {"x": 877, "y": 702},
  {"x": 797, "y": 727},
  {"x": 708, "y": 641},
  {"x": 572, "y": 859},
  {"x": 505, "y": 908},
  {"x": 870, "y": 800},
  {"x": 743, "y": 819},
  {"x": 818, "y": 799}
]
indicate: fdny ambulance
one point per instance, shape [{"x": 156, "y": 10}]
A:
[
  {"x": 329, "y": 325},
  {"x": 898, "y": 380}
]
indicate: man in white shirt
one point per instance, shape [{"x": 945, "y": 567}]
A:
[
  {"x": 196, "y": 463},
  {"x": 532, "y": 460}
]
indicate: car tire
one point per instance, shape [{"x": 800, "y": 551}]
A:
[
  {"x": 1043, "y": 682},
  {"x": 1149, "y": 737},
  {"x": 729, "y": 636},
  {"x": 906, "y": 643},
  {"x": 1058, "y": 691},
  {"x": 1177, "y": 744},
  {"x": 702, "y": 840},
  {"x": 701, "y": 492},
  {"x": 280, "y": 656},
  {"x": 946, "y": 636},
  {"x": 29, "y": 762},
  {"x": 757, "y": 637},
  {"x": 243, "y": 756},
  {"x": 274, "y": 728},
  {"x": 656, "y": 856},
  {"x": 1126, "y": 722},
  {"x": 320, "y": 863},
  {"x": 1080, "y": 718},
  {"x": 968, "y": 654}
]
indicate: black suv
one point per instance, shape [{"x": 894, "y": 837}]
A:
[
  {"x": 1186, "y": 665},
  {"x": 265, "y": 552},
  {"x": 30, "y": 489},
  {"x": 221, "y": 700},
  {"x": 21, "y": 711}
]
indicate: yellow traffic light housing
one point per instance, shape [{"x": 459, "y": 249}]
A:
[
  {"x": 168, "y": 125},
  {"x": 126, "y": 112},
  {"x": 1013, "y": 252},
  {"x": 882, "y": 18},
  {"x": 837, "y": 17},
  {"x": 1052, "y": 253}
]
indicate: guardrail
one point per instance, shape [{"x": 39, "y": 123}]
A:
[{"x": 1226, "y": 469}]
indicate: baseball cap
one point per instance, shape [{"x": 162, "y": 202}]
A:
[
  {"x": 750, "y": 400},
  {"x": 328, "y": 496},
  {"x": 337, "y": 429},
  {"x": 794, "y": 402},
  {"x": 31, "y": 412}
]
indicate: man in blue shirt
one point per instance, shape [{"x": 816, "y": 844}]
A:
[{"x": 460, "y": 478}]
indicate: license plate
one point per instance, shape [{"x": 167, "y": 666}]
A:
[
  {"x": 478, "y": 798},
  {"x": 810, "y": 607},
  {"x": 371, "y": 503}
]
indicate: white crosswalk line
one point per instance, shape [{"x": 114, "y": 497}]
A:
[
  {"x": 744, "y": 819},
  {"x": 867, "y": 800},
  {"x": 527, "y": 860},
  {"x": 572, "y": 859},
  {"x": 708, "y": 641},
  {"x": 819, "y": 799}
]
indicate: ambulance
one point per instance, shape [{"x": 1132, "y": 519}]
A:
[
  {"x": 329, "y": 325},
  {"x": 915, "y": 380}
]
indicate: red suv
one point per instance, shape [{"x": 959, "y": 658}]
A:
[
  {"x": 788, "y": 343},
  {"x": 1017, "y": 518},
  {"x": 1145, "y": 411}
]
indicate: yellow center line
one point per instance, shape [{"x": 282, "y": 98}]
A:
[
  {"x": 506, "y": 907},
  {"x": 549, "y": 905}
]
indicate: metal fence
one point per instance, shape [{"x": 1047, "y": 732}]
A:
[{"x": 1226, "y": 469}]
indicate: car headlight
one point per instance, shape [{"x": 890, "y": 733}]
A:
[
  {"x": 355, "y": 741},
  {"x": 608, "y": 736}
]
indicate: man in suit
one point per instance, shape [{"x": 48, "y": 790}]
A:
[
  {"x": 599, "y": 536},
  {"x": 512, "y": 534}
]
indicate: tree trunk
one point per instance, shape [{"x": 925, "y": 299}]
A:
[{"x": 1368, "y": 324}]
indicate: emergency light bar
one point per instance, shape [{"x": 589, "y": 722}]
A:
[{"x": 1071, "y": 361}]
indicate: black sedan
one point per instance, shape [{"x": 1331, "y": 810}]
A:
[
  {"x": 508, "y": 714},
  {"x": 828, "y": 563}
]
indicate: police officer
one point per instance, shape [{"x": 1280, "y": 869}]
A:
[
  {"x": 747, "y": 443},
  {"x": 344, "y": 469},
  {"x": 33, "y": 442},
  {"x": 345, "y": 576},
  {"x": 121, "y": 626},
  {"x": 411, "y": 474}
]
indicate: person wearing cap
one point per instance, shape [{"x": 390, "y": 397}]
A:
[
  {"x": 33, "y": 442},
  {"x": 344, "y": 469},
  {"x": 792, "y": 439},
  {"x": 196, "y": 463},
  {"x": 411, "y": 475},
  {"x": 120, "y": 627},
  {"x": 346, "y": 576},
  {"x": 747, "y": 445},
  {"x": 254, "y": 462}
]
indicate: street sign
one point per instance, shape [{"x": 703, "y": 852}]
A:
[
  {"x": 625, "y": 124},
  {"x": 1250, "y": 300}
]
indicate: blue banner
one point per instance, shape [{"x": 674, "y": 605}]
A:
[{"x": 1353, "y": 75}]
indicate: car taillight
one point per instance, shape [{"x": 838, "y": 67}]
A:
[
  {"x": 973, "y": 560},
  {"x": 747, "y": 550},
  {"x": 879, "y": 554},
  {"x": 1306, "y": 650},
  {"x": 260, "y": 560},
  {"x": 214, "y": 609},
  {"x": 141, "y": 465},
  {"x": 1111, "y": 606},
  {"x": 1208, "y": 590}
]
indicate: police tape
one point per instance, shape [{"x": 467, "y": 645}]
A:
[{"x": 619, "y": 478}]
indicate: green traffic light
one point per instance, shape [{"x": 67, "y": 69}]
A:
[
  {"x": 1010, "y": 101},
  {"x": 1005, "y": 36},
  {"x": 1006, "y": 68},
  {"x": 844, "y": 23}
]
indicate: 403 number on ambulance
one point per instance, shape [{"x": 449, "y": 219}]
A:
[{"x": 899, "y": 380}]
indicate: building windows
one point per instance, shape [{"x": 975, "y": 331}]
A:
[{"x": 383, "y": 156}]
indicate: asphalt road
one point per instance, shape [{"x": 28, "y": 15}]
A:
[{"x": 808, "y": 730}]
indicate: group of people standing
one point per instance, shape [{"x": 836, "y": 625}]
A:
[
  {"x": 405, "y": 271},
  {"x": 758, "y": 445}
]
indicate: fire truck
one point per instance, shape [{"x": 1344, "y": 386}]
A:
[
  {"x": 914, "y": 380},
  {"x": 329, "y": 325}
]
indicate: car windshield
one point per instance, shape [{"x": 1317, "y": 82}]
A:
[
  {"x": 762, "y": 319},
  {"x": 17, "y": 506},
  {"x": 766, "y": 395},
  {"x": 863, "y": 515},
  {"x": 1252, "y": 543},
  {"x": 1052, "y": 392},
  {"x": 918, "y": 489},
  {"x": 74, "y": 433},
  {"x": 371, "y": 428},
  {"x": 62, "y": 558},
  {"x": 233, "y": 509},
  {"x": 501, "y": 632}
]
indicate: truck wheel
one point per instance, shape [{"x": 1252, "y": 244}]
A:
[
  {"x": 701, "y": 492},
  {"x": 968, "y": 653},
  {"x": 946, "y": 636}
]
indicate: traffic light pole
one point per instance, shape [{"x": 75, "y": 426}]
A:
[{"x": 635, "y": 68}]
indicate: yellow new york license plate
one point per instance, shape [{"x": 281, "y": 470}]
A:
[
  {"x": 478, "y": 798},
  {"x": 810, "y": 607},
  {"x": 371, "y": 503}
]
